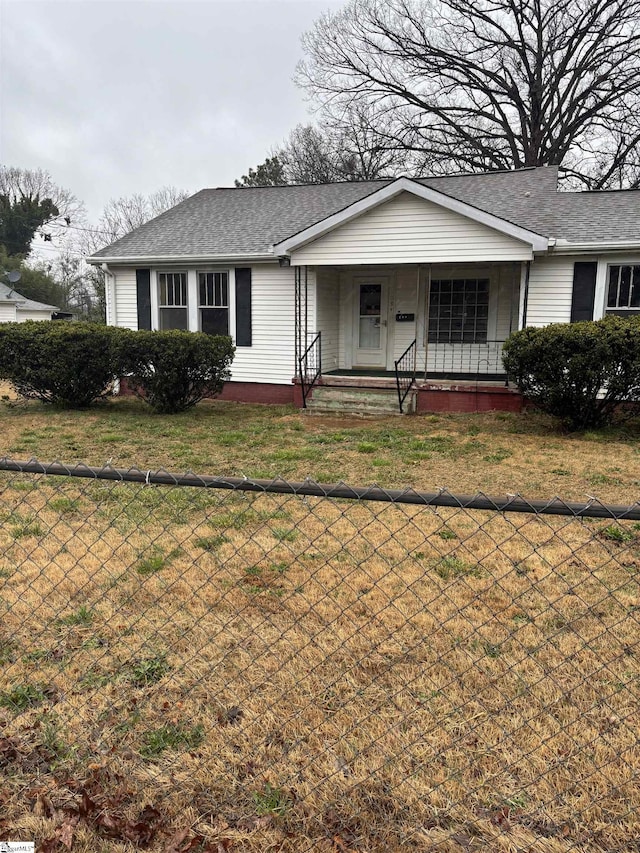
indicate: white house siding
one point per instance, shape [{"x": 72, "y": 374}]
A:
[
  {"x": 125, "y": 312},
  {"x": 7, "y": 313},
  {"x": 408, "y": 229},
  {"x": 327, "y": 316},
  {"x": 405, "y": 300},
  {"x": 22, "y": 316},
  {"x": 550, "y": 289},
  {"x": 271, "y": 357},
  {"x": 345, "y": 311},
  {"x": 505, "y": 283}
]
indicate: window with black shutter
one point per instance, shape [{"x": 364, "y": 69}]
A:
[
  {"x": 172, "y": 300},
  {"x": 213, "y": 302}
]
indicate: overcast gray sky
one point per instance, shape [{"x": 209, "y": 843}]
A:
[{"x": 114, "y": 97}]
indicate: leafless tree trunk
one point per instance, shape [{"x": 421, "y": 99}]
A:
[{"x": 475, "y": 85}]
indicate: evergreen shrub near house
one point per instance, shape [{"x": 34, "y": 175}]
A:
[
  {"x": 175, "y": 370},
  {"x": 67, "y": 364},
  {"x": 586, "y": 374}
]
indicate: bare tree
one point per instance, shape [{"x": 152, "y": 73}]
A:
[
  {"x": 475, "y": 85},
  {"x": 119, "y": 217},
  {"x": 122, "y": 215},
  {"x": 351, "y": 146}
]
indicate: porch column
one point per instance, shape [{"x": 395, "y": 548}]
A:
[
  {"x": 525, "y": 269},
  {"x": 301, "y": 314}
]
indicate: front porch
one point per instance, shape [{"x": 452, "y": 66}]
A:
[{"x": 429, "y": 336}]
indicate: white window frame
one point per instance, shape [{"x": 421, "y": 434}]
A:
[
  {"x": 193, "y": 308},
  {"x": 632, "y": 310},
  {"x": 602, "y": 278},
  {"x": 155, "y": 295}
]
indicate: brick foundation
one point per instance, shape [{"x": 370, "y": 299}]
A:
[
  {"x": 430, "y": 397},
  {"x": 259, "y": 392},
  {"x": 249, "y": 392},
  {"x": 467, "y": 398}
]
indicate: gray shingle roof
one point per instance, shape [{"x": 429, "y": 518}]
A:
[
  {"x": 8, "y": 293},
  {"x": 248, "y": 220}
]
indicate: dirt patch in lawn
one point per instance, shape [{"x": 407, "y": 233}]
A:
[{"x": 195, "y": 670}]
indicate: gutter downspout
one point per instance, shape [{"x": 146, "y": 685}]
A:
[{"x": 110, "y": 296}]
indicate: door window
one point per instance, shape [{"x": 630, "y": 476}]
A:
[{"x": 370, "y": 316}]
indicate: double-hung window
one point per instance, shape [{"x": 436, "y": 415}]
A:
[
  {"x": 623, "y": 295},
  {"x": 458, "y": 310},
  {"x": 213, "y": 302},
  {"x": 172, "y": 300}
]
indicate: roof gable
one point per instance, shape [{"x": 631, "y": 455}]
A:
[{"x": 426, "y": 193}]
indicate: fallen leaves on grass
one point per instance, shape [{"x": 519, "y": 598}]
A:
[
  {"x": 104, "y": 813},
  {"x": 229, "y": 716},
  {"x": 181, "y": 843}
]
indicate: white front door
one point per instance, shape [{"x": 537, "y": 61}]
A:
[{"x": 370, "y": 322}]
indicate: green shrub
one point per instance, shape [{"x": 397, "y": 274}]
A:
[
  {"x": 174, "y": 370},
  {"x": 583, "y": 373},
  {"x": 68, "y": 364}
]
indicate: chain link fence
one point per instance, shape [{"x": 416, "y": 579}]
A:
[{"x": 212, "y": 664}]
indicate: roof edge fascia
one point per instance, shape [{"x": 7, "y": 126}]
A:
[
  {"x": 179, "y": 259},
  {"x": 40, "y": 306},
  {"x": 538, "y": 242},
  {"x": 563, "y": 247}
]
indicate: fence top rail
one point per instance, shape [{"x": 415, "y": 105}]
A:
[{"x": 592, "y": 508}]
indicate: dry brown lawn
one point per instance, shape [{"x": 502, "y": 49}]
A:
[
  {"x": 264, "y": 672},
  {"x": 190, "y": 670}
]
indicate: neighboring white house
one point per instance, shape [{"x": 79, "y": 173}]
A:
[
  {"x": 15, "y": 308},
  {"x": 351, "y": 280}
]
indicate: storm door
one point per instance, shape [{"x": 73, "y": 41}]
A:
[{"x": 370, "y": 322}]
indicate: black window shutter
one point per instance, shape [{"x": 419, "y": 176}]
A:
[
  {"x": 584, "y": 290},
  {"x": 143, "y": 287},
  {"x": 243, "y": 306}
]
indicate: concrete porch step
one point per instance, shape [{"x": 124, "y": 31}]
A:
[
  {"x": 365, "y": 382},
  {"x": 356, "y": 401}
]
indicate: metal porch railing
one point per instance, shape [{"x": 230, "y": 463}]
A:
[
  {"x": 310, "y": 367},
  {"x": 405, "y": 368}
]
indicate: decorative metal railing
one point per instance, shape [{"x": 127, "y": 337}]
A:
[
  {"x": 462, "y": 359},
  {"x": 310, "y": 367},
  {"x": 406, "y": 373}
]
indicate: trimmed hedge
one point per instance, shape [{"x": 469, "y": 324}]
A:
[
  {"x": 174, "y": 370},
  {"x": 586, "y": 374},
  {"x": 68, "y": 364}
]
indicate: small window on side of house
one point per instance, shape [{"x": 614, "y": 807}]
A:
[
  {"x": 172, "y": 300},
  {"x": 623, "y": 292},
  {"x": 213, "y": 302}
]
